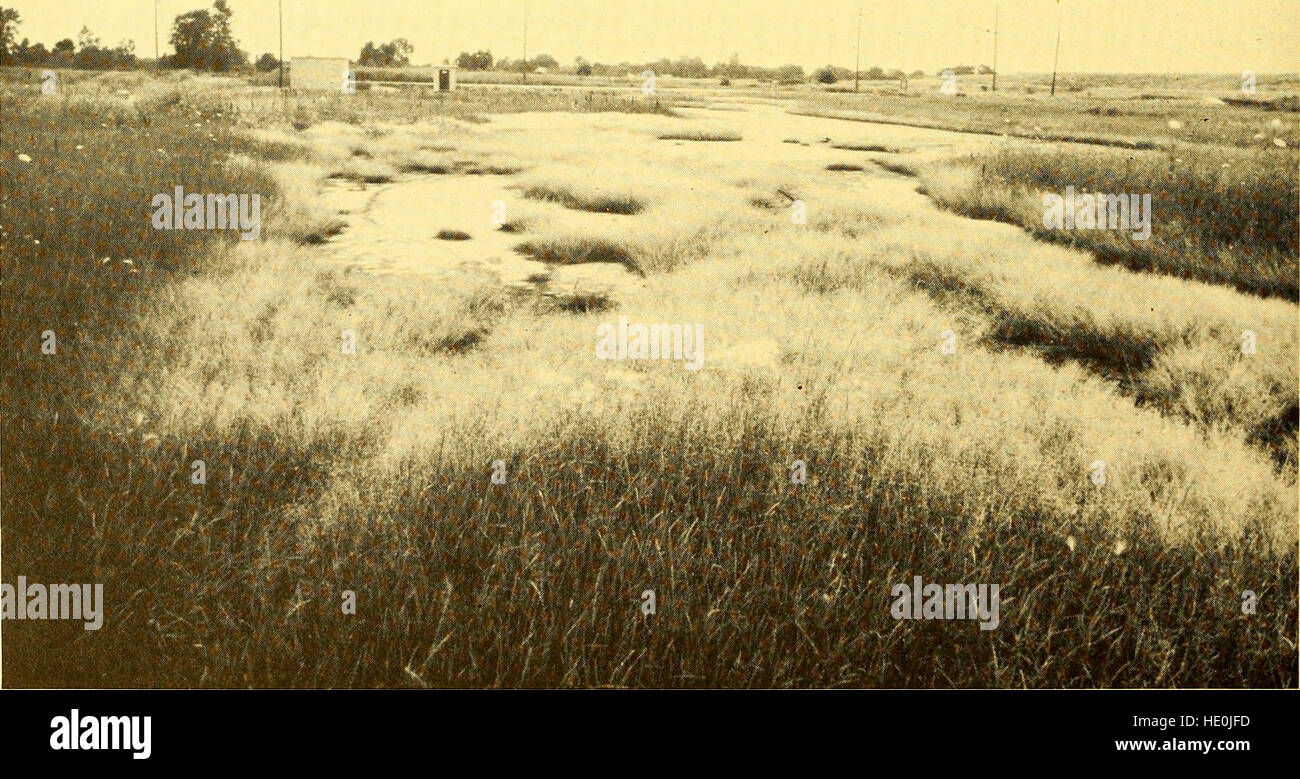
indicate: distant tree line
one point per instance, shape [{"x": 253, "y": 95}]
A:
[
  {"x": 683, "y": 67},
  {"x": 200, "y": 39},
  {"x": 87, "y": 52},
  {"x": 831, "y": 74},
  {"x": 967, "y": 70}
]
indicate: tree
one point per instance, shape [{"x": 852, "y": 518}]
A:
[
  {"x": 267, "y": 63},
  {"x": 64, "y": 47},
  {"x": 399, "y": 52},
  {"x": 36, "y": 55},
  {"x": 689, "y": 67},
  {"x": 9, "y": 21},
  {"x": 789, "y": 73},
  {"x": 544, "y": 61},
  {"x": 826, "y": 75},
  {"x": 87, "y": 39},
  {"x": 581, "y": 66},
  {"x": 202, "y": 40},
  {"x": 394, "y": 54},
  {"x": 479, "y": 60}
]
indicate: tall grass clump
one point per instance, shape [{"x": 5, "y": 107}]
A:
[
  {"x": 603, "y": 202},
  {"x": 1222, "y": 217}
]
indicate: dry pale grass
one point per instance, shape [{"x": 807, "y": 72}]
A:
[{"x": 821, "y": 343}]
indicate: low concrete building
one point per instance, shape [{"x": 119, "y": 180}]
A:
[
  {"x": 318, "y": 73},
  {"x": 443, "y": 77}
]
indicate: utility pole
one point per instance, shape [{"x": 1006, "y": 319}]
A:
[
  {"x": 281, "y": 7},
  {"x": 994, "y": 31},
  {"x": 857, "y": 58},
  {"x": 525, "y": 65},
  {"x": 1057, "y": 59},
  {"x": 995, "y": 48},
  {"x": 155, "y": 32}
]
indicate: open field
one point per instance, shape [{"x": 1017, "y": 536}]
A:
[
  {"x": 948, "y": 384},
  {"x": 1171, "y": 120}
]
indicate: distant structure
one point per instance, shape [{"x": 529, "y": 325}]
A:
[
  {"x": 328, "y": 74},
  {"x": 441, "y": 76},
  {"x": 318, "y": 73},
  {"x": 444, "y": 76}
]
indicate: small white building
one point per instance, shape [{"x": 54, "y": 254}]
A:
[{"x": 318, "y": 73}]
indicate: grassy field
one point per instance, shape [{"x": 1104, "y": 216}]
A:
[
  {"x": 1129, "y": 118},
  {"x": 373, "y": 473},
  {"x": 1223, "y": 216}
]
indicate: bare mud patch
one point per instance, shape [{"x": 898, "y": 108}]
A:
[{"x": 428, "y": 226}]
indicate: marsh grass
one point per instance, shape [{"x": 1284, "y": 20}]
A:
[
  {"x": 1222, "y": 217},
  {"x": 604, "y": 202},
  {"x": 577, "y": 250},
  {"x": 1171, "y": 344},
  {"x": 700, "y": 135},
  {"x": 865, "y": 147},
  {"x": 372, "y": 473},
  {"x": 1130, "y": 123}
]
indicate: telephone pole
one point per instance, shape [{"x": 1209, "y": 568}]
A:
[
  {"x": 994, "y": 31},
  {"x": 525, "y": 65},
  {"x": 995, "y": 48},
  {"x": 155, "y": 32},
  {"x": 1057, "y": 59},
  {"x": 281, "y": 7},
  {"x": 857, "y": 58}
]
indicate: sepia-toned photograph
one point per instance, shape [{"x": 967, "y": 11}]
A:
[{"x": 609, "y": 345}]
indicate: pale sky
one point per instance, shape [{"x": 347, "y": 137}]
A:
[{"x": 1158, "y": 36}]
